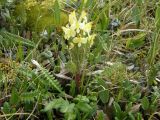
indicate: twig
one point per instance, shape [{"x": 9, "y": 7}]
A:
[
  {"x": 131, "y": 30},
  {"x": 6, "y": 115}
]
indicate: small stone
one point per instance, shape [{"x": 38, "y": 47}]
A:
[{"x": 131, "y": 67}]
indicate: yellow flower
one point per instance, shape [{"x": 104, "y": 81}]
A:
[
  {"x": 82, "y": 25},
  {"x": 76, "y": 26},
  {"x": 87, "y": 27},
  {"x": 71, "y": 46},
  {"x": 72, "y": 18},
  {"x": 91, "y": 38},
  {"x": 79, "y": 41},
  {"x": 83, "y": 16},
  {"x": 78, "y": 30},
  {"x": 69, "y": 32},
  {"x": 73, "y": 22}
]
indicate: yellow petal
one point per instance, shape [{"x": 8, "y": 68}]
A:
[
  {"x": 72, "y": 17},
  {"x": 83, "y": 16},
  {"x": 77, "y": 27},
  {"x": 64, "y": 29},
  {"x": 87, "y": 27},
  {"x": 91, "y": 38},
  {"x": 79, "y": 41},
  {"x": 71, "y": 46},
  {"x": 84, "y": 40},
  {"x": 76, "y": 40},
  {"x": 79, "y": 44},
  {"x": 68, "y": 32},
  {"x": 72, "y": 33}
]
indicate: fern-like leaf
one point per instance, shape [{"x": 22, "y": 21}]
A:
[
  {"x": 10, "y": 40},
  {"x": 29, "y": 96},
  {"x": 49, "y": 77}
]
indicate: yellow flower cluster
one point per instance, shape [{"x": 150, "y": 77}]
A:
[{"x": 78, "y": 30}]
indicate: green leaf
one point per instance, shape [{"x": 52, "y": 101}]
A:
[
  {"x": 136, "y": 12},
  {"x": 14, "y": 97},
  {"x": 104, "y": 96},
  {"x": 70, "y": 116},
  {"x": 6, "y": 107},
  {"x": 55, "y": 104},
  {"x": 81, "y": 98},
  {"x": 145, "y": 103},
  {"x": 157, "y": 18},
  {"x": 66, "y": 107},
  {"x": 154, "y": 48},
  {"x": 117, "y": 109},
  {"x": 47, "y": 75},
  {"x": 72, "y": 88},
  {"x": 84, "y": 107},
  {"x": 104, "y": 21},
  {"x": 49, "y": 115},
  {"x": 71, "y": 67},
  {"x": 136, "y": 41},
  {"x": 29, "y": 96},
  {"x": 20, "y": 52},
  {"x": 101, "y": 82},
  {"x": 9, "y": 39},
  {"x": 131, "y": 116},
  {"x": 139, "y": 116},
  {"x": 57, "y": 12},
  {"x": 47, "y": 54}
]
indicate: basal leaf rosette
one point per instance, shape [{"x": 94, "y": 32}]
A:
[{"x": 78, "y": 30}]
